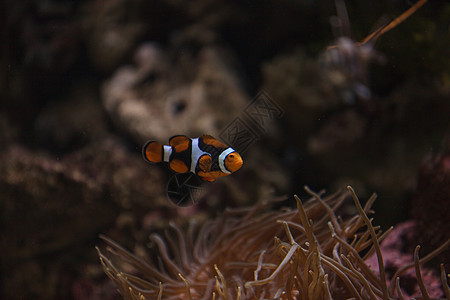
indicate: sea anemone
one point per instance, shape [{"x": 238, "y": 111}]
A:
[{"x": 255, "y": 253}]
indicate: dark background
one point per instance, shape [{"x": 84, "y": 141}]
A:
[{"x": 85, "y": 83}]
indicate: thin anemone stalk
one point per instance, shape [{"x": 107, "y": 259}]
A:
[{"x": 307, "y": 252}]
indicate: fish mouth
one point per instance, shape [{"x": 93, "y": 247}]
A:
[{"x": 237, "y": 164}]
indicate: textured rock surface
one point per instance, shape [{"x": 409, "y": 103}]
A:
[
  {"x": 161, "y": 96},
  {"x": 430, "y": 204},
  {"x": 55, "y": 206}
]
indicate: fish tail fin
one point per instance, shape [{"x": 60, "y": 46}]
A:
[{"x": 153, "y": 152}]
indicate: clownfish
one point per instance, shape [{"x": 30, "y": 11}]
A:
[{"x": 204, "y": 156}]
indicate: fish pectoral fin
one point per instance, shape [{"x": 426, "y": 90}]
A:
[
  {"x": 178, "y": 166},
  {"x": 152, "y": 152},
  {"x": 210, "y": 179},
  {"x": 179, "y": 142},
  {"x": 205, "y": 163},
  {"x": 206, "y": 176}
]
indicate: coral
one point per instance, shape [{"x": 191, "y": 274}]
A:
[
  {"x": 162, "y": 96},
  {"x": 74, "y": 122},
  {"x": 306, "y": 253},
  {"x": 430, "y": 201},
  {"x": 50, "y": 207},
  {"x": 108, "y": 37},
  {"x": 296, "y": 82},
  {"x": 398, "y": 252}
]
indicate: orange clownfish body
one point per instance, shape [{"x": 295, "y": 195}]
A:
[{"x": 204, "y": 156}]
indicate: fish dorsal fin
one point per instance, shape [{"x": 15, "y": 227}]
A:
[
  {"x": 178, "y": 166},
  {"x": 209, "y": 140},
  {"x": 179, "y": 142},
  {"x": 205, "y": 163}
]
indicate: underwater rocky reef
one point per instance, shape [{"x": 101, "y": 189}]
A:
[{"x": 292, "y": 85}]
